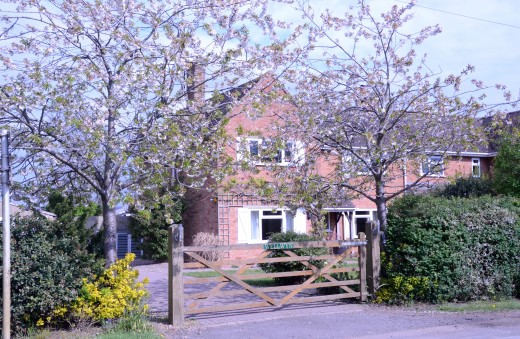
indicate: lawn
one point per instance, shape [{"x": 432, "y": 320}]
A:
[{"x": 262, "y": 282}]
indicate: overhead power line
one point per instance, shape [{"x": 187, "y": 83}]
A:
[{"x": 461, "y": 15}]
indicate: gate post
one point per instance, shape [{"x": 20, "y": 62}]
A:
[
  {"x": 373, "y": 258},
  {"x": 362, "y": 268},
  {"x": 175, "y": 275}
]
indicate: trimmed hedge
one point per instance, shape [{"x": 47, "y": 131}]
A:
[{"x": 442, "y": 249}]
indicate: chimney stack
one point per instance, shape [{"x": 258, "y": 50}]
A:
[{"x": 195, "y": 81}]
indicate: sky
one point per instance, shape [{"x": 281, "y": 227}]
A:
[
  {"x": 475, "y": 33},
  {"x": 481, "y": 33},
  {"x": 492, "y": 48}
]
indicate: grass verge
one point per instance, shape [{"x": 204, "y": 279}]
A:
[
  {"x": 489, "y": 306},
  {"x": 263, "y": 282},
  {"x": 129, "y": 335}
]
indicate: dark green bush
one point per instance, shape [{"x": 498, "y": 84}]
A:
[
  {"x": 72, "y": 212},
  {"x": 47, "y": 267},
  {"x": 340, "y": 277},
  {"x": 465, "y": 187},
  {"x": 455, "y": 249},
  {"x": 507, "y": 166},
  {"x": 292, "y": 265},
  {"x": 151, "y": 226}
]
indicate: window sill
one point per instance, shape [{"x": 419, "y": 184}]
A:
[
  {"x": 253, "y": 242},
  {"x": 434, "y": 176},
  {"x": 282, "y": 164}
]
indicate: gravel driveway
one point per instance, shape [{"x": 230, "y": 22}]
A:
[{"x": 329, "y": 319}]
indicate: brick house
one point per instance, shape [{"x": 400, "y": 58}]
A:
[{"x": 248, "y": 218}]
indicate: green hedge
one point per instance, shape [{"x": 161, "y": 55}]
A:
[
  {"x": 47, "y": 267},
  {"x": 442, "y": 249},
  {"x": 466, "y": 187},
  {"x": 292, "y": 265}
]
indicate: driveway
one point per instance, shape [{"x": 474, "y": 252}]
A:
[{"x": 329, "y": 319}]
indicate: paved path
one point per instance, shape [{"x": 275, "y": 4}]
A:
[{"x": 330, "y": 320}]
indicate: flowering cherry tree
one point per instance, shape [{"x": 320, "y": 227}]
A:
[
  {"x": 364, "y": 95},
  {"x": 114, "y": 97}
]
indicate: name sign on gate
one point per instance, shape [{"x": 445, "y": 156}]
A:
[{"x": 278, "y": 246}]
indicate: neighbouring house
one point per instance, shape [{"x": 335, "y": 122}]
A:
[
  {"x": 246, "y": 217},
  {"x": 21, "y": 211}
]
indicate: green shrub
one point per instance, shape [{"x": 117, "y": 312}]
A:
[
  {"x": 465, "y": 187},
  {"x": 400, "y": 289},
  {"x": 131, "y": 322},
  {"x": 72, "y": 213},
  {"x": 466, "y": 248},
  {"x": 151, "y": 226},
  {"x": 341, "y": 277},
  {"x": 47, "y": 268},
  {"x": 292, "y": 265},
  {"x": 506, "y": 175}
]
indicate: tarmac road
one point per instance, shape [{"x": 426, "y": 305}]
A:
[
  {"x": 330, "y": 320},
  {"x": 354, "y": 321}
]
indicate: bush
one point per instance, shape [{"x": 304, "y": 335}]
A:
[
  {"x": 114, "y": 294},
  {"x": 292, "y": 265},
  {"x": 47, "y": 268},
  {"x": 151, "y": 226},
  {"x": 340, "y": 277},
  {"x": 507, "y": 166},
  {"x": 400, "y": 289},
  {"x": 456, "y": 249},
  {"x": 208, "y": 239},
  {"x": 72, "y": 213},
  {"x": 465, "y": 187}
]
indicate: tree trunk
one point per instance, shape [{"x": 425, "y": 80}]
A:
[
  {"x": 110, "y": 228},
  {"x": 381, "y": 205},
  {"x": 317, "y": 223}
]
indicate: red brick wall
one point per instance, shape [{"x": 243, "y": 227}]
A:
[{"x": 200, "y": 214}]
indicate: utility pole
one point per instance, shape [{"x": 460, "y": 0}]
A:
[{"x": 6, "y": 272}]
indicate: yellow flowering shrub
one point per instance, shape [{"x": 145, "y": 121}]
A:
[
  {"x": 113, "y": 294},
  {"x": 401, "y": 289}
]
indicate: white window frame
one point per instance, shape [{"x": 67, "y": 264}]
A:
[
  {"x": 475, "y": 164},
  {"x": 351, "y": 230},
  {"x": 250, "y": 222},
  {"x": 259, "y": 146},
  {"x": 434, "y": 160}
]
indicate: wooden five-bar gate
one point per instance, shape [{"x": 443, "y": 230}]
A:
[{"x": 232, "y": 289}]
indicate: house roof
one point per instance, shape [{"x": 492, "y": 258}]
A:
[
  {"x": 17, "y": 210},
  {"x": 487, "y": 148}
]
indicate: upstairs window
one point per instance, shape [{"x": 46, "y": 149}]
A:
[
  {"x": 285, "y": 155},
  {"x": 264, "y": 151},
  {"x": 254, "y": 147},
  {"x": 475, "y": 168},
  {"x": 433, "y": 166}
]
